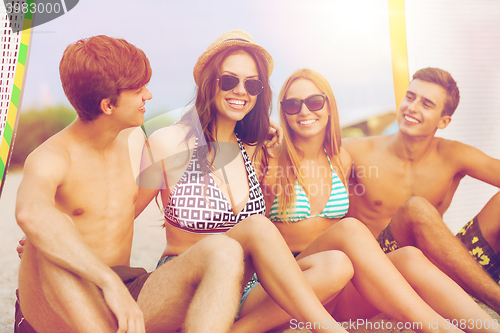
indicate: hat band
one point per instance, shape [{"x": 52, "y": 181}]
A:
[{"x": 236, "y": 39}]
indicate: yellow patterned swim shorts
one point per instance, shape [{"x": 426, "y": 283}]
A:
[
  {"x": 479, "y": 248},
  {"x": 470, "y": 235}
]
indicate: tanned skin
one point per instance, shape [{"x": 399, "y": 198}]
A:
[
  {"x": 409, "y": 179},
  {"x": 76, "y": 204}
]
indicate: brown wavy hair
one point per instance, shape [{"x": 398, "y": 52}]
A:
[{"x": 202, "y": 118}]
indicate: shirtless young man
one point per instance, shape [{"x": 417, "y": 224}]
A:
[
  {"x": 409, "y": 179},
  {"x": 76, "y": 207}
]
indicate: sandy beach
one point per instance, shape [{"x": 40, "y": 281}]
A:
[{"x": 149, "y": 242}]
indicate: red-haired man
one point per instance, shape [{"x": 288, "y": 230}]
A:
[{"x": 76, "y": 205}]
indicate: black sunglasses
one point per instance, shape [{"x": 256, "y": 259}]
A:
[
  {"x": 314, "y": 103},
  {"x": 252, "y": 86}
]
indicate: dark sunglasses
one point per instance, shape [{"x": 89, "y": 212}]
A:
[
  {"x": 252, "y": 86},
  {"x": 313, "y": 103}
]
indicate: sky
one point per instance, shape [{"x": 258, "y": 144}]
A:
[{"x": 345, "y": 41}]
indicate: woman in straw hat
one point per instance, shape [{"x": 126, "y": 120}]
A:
[
  {"x": 306, "y": 197},
  {"x": 208, "y": 184}
]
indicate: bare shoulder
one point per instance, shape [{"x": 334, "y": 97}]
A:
[
  {"x": 363, "y": 145},
  {"x": 56, "y": 149},
  {"x": 134, "y": 135},
  {"x": 135, "y": 139},
  {"x": 450, "y": 147},
  {"x": 457, "y": 152},
  {"x": 345, "y": 157},
  {"x": 358, "y": 142},
  {"x": 168, "y": 140},
  {"x": 49, "y": 163}
]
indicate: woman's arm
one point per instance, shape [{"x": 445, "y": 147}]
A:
[{"x": 163, "y": 152}]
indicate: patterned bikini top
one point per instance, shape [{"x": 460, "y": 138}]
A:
[
  {"x": 336, "y": 207},
  {"x": 191, "y": 210}
]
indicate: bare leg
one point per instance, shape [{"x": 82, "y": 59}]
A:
[
  {"x": 489, "y": 221},
  {"x": 278, "y": 271},
  {"x": 419, "y": 224},
  {"x": 55, "y": 300},
  {"x": 327, "y": 272},
  {"x": 440, "y": 291},
  {"x": 375, "y": 277},
  {"x": 199, "y": 290}
]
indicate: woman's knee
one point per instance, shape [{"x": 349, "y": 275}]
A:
[
  {"x": 254, "y": 227},
  {"x": 222, "y": 248},
  {"x": 221, "y": 253},
  {"x": 332, "y": 265},
  {"x": 339, "y": 263},
  {"x": 347, "y": 230},
  {"x": 407, "y": 259},
  {"x": 331, "y": 271}
]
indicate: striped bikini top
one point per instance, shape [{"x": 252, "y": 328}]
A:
[
  {"x": 188, "y": 208},
  {"x": 336, "y": 207}
]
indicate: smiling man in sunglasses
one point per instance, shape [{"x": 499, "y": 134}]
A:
[{"x": 416, "y": 177}]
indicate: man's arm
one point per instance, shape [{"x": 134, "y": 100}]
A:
[
  {"x": 55, "y": 236},
  {"x": 472, "y": 162}
]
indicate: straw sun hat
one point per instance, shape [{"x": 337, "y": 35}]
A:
[{"x": 228, "y": 39}]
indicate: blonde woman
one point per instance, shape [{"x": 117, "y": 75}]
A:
[{"x": 307, "y": 199}]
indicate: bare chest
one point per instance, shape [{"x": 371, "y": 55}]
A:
[
  {"x": 389, "y": 184},
  {"x": 98, "y": 189}
]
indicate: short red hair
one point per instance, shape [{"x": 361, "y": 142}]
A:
[{"x": 100, "y": 67}]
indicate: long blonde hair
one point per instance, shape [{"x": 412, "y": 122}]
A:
[{"x": 289, "y": 154}]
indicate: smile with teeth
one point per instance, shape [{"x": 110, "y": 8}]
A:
[
  {"x": 236, "y": 102},
  {"x": 308, "y": 122},
  {"x": 411, "y": 119}
]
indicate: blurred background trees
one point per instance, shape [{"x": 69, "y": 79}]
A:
[{"x": 35, "y": 126}]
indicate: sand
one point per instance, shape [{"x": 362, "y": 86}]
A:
[{"x": 149, "y": 242}]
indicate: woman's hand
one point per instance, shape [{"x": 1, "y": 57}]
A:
[
  {"x": 20, "y": 247},
  {"x": 275, "y": 136}
]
